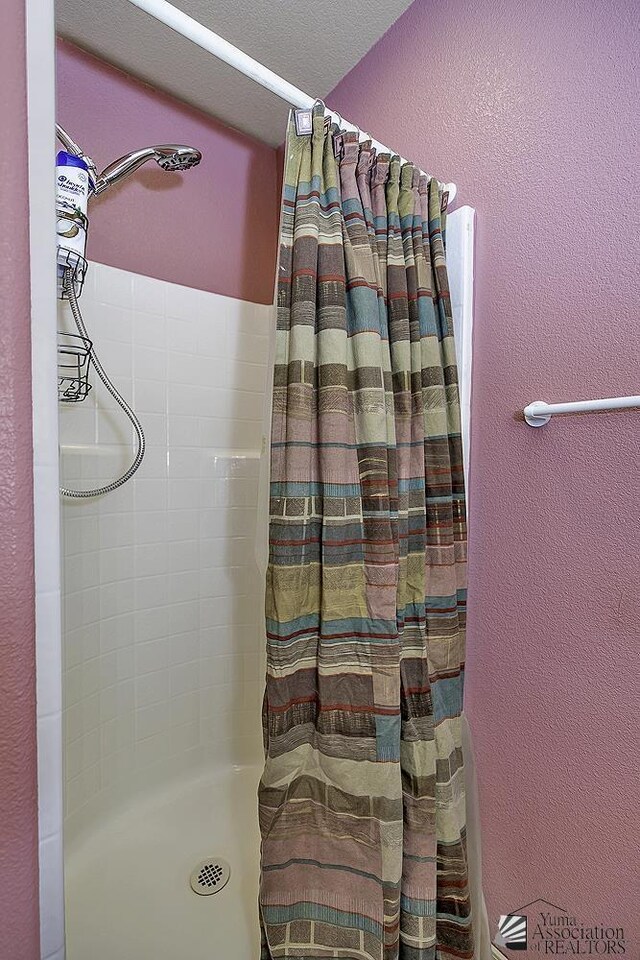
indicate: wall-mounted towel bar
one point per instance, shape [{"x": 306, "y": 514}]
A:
[{"x": 538, "y": 413}]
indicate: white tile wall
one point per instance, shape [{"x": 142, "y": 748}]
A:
[{"x": 163, "y": 606}]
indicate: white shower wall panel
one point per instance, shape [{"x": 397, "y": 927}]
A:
[{"x": 163, "y": 605}]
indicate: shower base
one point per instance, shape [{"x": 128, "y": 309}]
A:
[{"x": 127, "y": 883}]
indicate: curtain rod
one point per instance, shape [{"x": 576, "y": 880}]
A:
[{"x": 213, "y": 43}]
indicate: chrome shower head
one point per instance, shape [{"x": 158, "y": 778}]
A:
[
  {"x": 169, "y": 156},
  {"x": 176, "y": 157}
]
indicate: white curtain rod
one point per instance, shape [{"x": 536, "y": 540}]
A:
[
  {"x": 538, "y": 413},
  {"x": 188, "y": 27}
]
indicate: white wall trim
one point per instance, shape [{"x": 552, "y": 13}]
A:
[
  {"x": 460, "y": 249},
  {"x": 41, "y": 118}
]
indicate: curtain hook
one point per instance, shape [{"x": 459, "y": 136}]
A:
[{"x": 338, "y": 138}]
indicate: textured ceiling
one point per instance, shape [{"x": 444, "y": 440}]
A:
[{"x": 311, "y": 43}]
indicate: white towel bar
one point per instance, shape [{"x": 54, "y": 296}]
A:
[{"x": 538, "y": 413}]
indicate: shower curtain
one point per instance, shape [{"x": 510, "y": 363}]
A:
[{"x": 362, "y": 800}]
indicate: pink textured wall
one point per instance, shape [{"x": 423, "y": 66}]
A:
[
  {"x": 213, "y": 227},
  {"x": 18, "y": 800},
  {"x": 532, "y": 110}
]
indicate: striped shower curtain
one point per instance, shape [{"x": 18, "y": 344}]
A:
[{"x": 362, "y": 801}]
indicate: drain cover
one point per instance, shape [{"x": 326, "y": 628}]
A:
[{"x": 210, "y": 876}]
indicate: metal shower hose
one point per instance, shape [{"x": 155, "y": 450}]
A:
[{"x": 70, "y": 291}]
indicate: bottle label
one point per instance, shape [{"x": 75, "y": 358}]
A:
[{"x": 72, "y": 194}]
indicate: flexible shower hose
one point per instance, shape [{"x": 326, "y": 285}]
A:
[{"x": 70, "y": 291}]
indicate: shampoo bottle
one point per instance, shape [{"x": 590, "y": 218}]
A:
[{"x": 72, "y": 195}]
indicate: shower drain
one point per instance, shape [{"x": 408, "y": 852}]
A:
[{"x": 210, "y": 876}]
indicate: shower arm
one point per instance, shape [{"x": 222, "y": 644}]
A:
[
  {"x": 122, "y": 168},
  {"x": 115, "y": 171}
]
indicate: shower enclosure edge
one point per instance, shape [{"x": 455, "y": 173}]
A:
[{"x": 40, "y": 45}]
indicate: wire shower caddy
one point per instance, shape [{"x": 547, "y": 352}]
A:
[
  {"x": 70, "y": 260},
  {"x": 74, "y": 361}
]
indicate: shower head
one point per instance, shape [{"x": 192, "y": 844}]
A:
[
  {"x": 170, "y": 156},
  {"x": 176, "y": 157}
]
